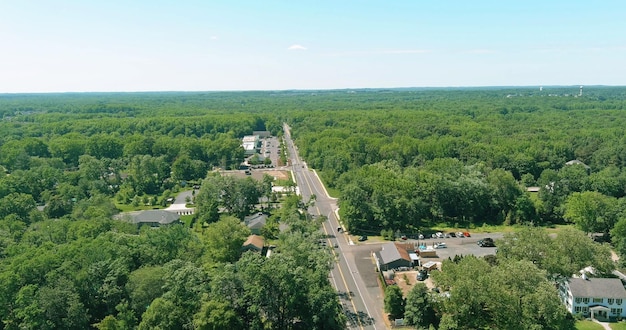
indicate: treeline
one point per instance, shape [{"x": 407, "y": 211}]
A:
[{"x": 405, "y": 160}]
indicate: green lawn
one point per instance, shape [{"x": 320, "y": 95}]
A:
[
  {"x": 618, "y": 326},
  {"x": 588, "y": 325}
]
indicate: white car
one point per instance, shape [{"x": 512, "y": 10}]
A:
[
  {"x": 440, "y": 245},
  {"x": 440, "y": 235}
]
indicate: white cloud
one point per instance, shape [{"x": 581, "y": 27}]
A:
[
  {"x": 213, "y": 38},
  {"x": 296, "y": 47}
]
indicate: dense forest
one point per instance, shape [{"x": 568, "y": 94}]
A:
[{"x": 402, "y": 160}]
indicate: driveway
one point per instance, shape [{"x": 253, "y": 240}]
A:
[{"x": 180, "y": 203}]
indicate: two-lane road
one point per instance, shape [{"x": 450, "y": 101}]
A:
[{"x": 361, "y": 304}]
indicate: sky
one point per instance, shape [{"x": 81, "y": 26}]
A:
[{"x": 215, "y": 45}]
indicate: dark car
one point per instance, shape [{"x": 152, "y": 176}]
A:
[
  {"x": 486, "y": 242},
  {"x": 362, "y": 238},
  {"x": 422, "y": 275}
]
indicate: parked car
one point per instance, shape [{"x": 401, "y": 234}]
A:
[
  {"x": 440, "y": 245},
  {"x": 362, "y": 238},
  {"x": 460, "y": 234},
  {"x": 440, "y": 235},
  {"x": 422, "y": 275},
  {"x": 452, "y": 234},
  {"x": 486, "y": 242},
  {"x": 420, "y": 236},
  {"x": 404, "y": 238},
  {"x": 466, "y": 234}
]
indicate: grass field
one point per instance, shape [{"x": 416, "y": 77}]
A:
[
  {"x": 588, "y": 325},
  {"x": 618, "y": 326}
]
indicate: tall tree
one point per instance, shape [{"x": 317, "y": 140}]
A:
[
  {"x": 394, "y": 302},
  {"x": 419, "y": 307},
  {"x": 591, "y": 211}
]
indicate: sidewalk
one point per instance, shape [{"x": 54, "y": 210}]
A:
[{"x": 605, "y": 325}]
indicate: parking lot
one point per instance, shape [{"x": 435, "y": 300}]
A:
[
  {"x": 458, "y": 246},
  {"x": 454, "y": 246}
]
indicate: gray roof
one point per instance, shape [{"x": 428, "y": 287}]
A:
[
  {"x": 391, "y": 253},
  {"x": 597, "y": 288},
  {"x": 154, "y": 216},
  {"x": 577, "y": 162},
  {"x": 256, "y": 220}
]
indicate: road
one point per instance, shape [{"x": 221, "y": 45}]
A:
[{"x": 362, "y": 301}]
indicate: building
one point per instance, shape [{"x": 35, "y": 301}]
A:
[
  {"x": 251, "y": 144},
  {"x": 255, "y": 222},
  {"x": 393, "y": 256},
  {"x": 153, "y": 218},
  {"x": 262, "y": 134},
  {"x": 254, "y": 243},
  {"x": 598, "y": 298}
]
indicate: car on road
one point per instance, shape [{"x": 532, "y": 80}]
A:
[
  {"x": 486, "y": 242},
  {"x": 362, "y": 238},
  {"x": 440, "y": 245}
]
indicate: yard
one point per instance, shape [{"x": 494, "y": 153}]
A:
[{"x": 590, "y": 325}]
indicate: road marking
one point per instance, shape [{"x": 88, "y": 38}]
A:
[
  {"x": 338, "y": 265},
  {"x": 356, "y": 312}
]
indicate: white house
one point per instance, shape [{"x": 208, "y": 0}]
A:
[{"x": 599, "y": 298}]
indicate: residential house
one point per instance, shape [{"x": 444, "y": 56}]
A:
[
  {"x": 254, "y": 243},
  {"x": 153, "y": 218},
  {"x": 598, "y": 298},
  {"x": 255, "y": 222}
]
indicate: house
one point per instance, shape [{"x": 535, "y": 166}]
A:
[
  {"x": 255, "y": 222},
  {"x": 392, "y": 256},
  {"x": 254, "y": 243},
  {"x": 153, "y": 218},
  {"x": 578, "y": 162},
  {"x": 598, "y": 298}
]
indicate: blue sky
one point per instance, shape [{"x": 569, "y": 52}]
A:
[{"x": 157, "y": 45}]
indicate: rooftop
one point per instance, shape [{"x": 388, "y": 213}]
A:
[{"x": 597, "y": 287}]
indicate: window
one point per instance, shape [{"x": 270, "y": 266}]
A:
[
  {"x": 585, "y": 310},
  {"x": 577, "y": 309},
  {"x": 611, "y": 301},
  {"x": 579, "y": 300},
  {"x": 598, "y": 300},
  {"x": 618, "y": 301},
  {"x": 585, "y": 300},
  {"x": 616, "y": 311}
]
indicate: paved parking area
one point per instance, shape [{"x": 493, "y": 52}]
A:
[
  {"x": 455, "y": 246},
  {"x": 460, "y": 246}
]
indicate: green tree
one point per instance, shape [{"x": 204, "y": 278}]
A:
[
  {"x": 394, "y": 302},
  {"x": 591, "y": 211},
  {"x": 224, "y": 239},
  {"x": 143, "y": 286},
  {"x": 419, "y": 307},
  {"x": 569, "y": 252},
  {"x": 216, "y": 315}
]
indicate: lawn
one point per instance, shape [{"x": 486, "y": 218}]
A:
[
  {"x": 618, "y": 326},
  {"x": 588, "y": 325}
]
